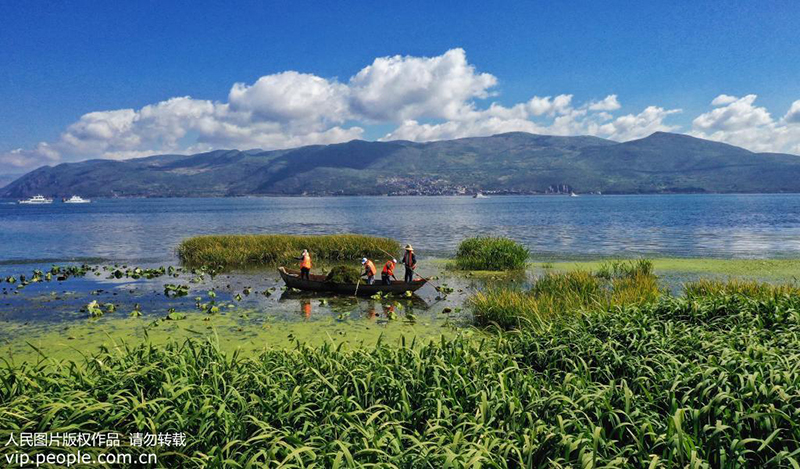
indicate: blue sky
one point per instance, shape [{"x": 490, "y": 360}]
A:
[{"x": 59, "y": 62}]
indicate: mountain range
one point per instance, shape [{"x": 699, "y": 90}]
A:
[{"x": 509, "y": 163}]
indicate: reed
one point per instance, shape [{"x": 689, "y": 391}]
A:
[
  {"x": 705, "y": 382},
  {"x": 487, "y": 253},
  {"x": 275, "y": 249},
  {"x": 556, "y": 295},
  {"x": 748, "y": 288},
  {"x": 625, "y": 268}
]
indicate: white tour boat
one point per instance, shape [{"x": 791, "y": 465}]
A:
[
  {"x": 37, "y": 199},
  {"x": 76, "y": 199}
]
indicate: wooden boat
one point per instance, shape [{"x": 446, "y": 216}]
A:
[{"x": 317, "y": 283}]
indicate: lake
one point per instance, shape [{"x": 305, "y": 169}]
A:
[
  {"x": 559, "y": 227},
  {"x": 255, "y": 309}
]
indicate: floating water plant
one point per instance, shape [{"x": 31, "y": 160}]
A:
[
  {"x": 94, "y": 309},
  {"x": 176, "y": 290},
  {"x": 488, "y": 253}
]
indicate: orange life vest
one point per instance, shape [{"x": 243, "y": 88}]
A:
[
  {"x": 388, "y": 268},
  {"x": 306, "y": 262},
  {"x": 369, "y": 268}
]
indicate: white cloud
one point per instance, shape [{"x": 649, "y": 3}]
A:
[
  {"x": 414, "y": 131},
  {"x": 723, "y": 99},
  {"x": 292, "y": 97},
  {"x": 546, "y": 106},
  {"x": 428, "y": 98},
  {"x": 41, "y": 154},
  {"x": 632, "y": 126},
  {"x": 562, "y": 119},
  {"x": 739, "y": 121},
  {"x": 397, "y": 88},
  {"x": 610, "y": 103},
  {"x": 793, "y": 115},
  {"x": 733, "y": 115}
]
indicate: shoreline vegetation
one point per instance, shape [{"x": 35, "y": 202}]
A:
[
  {"x": 705, "y": 379},
  {"x": 591, "y": 365},
  {"x": 275, "y": 249},
  {"x": 557, "y": 295}
]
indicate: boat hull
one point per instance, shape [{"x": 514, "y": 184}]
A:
[
  {"x": 317, "y": 283},
  {"x": 36, "y": 200}
]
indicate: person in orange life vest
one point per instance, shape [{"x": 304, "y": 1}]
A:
[
  {"x": 410, "y": 261},
  {"x": 388, "y": 272},
  {"x": 305, "y": 264},
  {"x": 369, "y": 270}
]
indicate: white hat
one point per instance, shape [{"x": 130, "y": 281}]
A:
[
  {"x": 364, "y": 260},
  {"x": 394, "y": 261}
]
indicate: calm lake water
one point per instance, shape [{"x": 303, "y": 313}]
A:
[
  {"x": 255, "y": 309},
  {"x": 148, "y": 230}
]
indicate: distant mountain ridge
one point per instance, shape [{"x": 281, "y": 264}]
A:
[{"x": 510, "y": 163}]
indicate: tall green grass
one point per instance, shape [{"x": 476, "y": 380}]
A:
[
  {"x": 486, "y": 253},
  {"x": 748, "y": 288},
  {"x": 625, "y": 268},
  {"x": 261, "y": 250},
  {"x": 557, "y": 295},
  {"x": 706, "y": 382}
]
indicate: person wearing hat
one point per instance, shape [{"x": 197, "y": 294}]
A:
[
  {"x": 410, "y": 261},
  {"x": 369, "y": 270},
  {"x": 388, "y": 272},
  {"x": 305, "y": 264}
]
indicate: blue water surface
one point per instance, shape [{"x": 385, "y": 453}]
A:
[{"x": 148, "y": 230}]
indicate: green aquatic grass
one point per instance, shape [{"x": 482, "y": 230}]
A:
[
  {"x": 747, "y": 288},
  {"x": 248, "y": 331},
  {"x": 707, "y": 382},
  {"x": 488, "y": 253},
  {"x": 625, "y": 268},
  {"x": 562, "y": 294},
  {"x": 275, "y": 249},
  {"x": 774, "y": 269}
]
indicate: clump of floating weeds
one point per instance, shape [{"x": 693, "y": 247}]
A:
[
  {"x": 173, "y": 290},
  {"x": 258, "y": 250},
  {"x": 488, "y": 253},
  {"x": 96, "y": 310}
]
